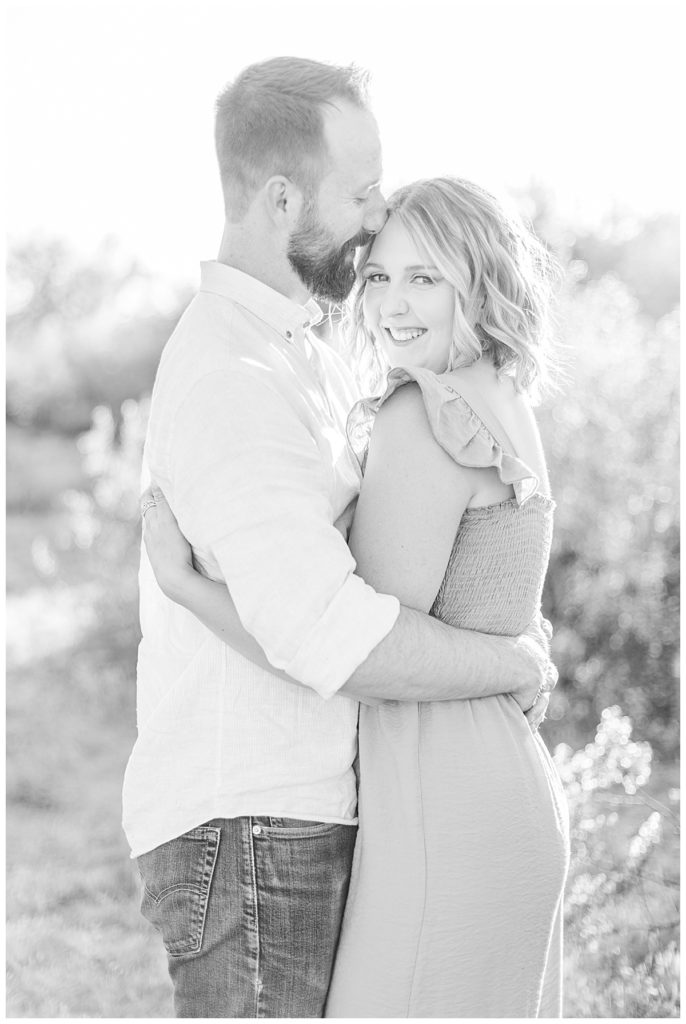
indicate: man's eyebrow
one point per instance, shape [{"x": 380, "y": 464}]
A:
[{"x": 368, "y": 188}]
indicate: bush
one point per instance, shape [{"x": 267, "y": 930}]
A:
[
  {"x": 612, "y": 443},
  {"x": 81, "y": 332},
  {"x": 621, "y": 906},
  {"x": 105, "y": 519}
]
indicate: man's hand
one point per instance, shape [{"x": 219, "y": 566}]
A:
[
  {"x": 536, "y": 714},
  {"x": 534, "y": 647}
]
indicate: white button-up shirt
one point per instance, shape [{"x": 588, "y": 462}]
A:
[{"x": 247, "y": 440}]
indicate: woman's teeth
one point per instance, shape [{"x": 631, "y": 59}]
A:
[{"x": 400, "y": 334}]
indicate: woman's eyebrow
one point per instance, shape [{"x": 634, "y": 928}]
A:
[{"x": 408, "y": 270}]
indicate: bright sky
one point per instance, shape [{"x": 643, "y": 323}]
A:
[{"x": 110, "y": 105}]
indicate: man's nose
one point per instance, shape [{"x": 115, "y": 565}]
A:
[{"x": 376, "y": 212}]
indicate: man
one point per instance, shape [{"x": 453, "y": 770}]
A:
[{"x": 240, "y": 797}]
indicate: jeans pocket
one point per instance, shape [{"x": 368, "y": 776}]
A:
[
  {"x": 292, "y": 828},
  {"x": 177, "y": 877}
]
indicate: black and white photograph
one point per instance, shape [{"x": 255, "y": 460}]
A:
[{"x": 342, "y": 509}]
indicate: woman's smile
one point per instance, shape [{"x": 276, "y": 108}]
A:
[{"x": 403, "y": 335}]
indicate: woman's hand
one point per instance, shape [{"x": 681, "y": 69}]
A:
[{"x": 170, "y": 554}]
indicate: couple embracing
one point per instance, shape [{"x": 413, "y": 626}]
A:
[{"x": 338, "y": 799}]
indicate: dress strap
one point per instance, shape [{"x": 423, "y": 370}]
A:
[{"x": 457, "y": 427}]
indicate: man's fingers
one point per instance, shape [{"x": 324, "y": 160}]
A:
[
  {"x": 536, "y": 714},
  {"x": 551, "y": 677}
]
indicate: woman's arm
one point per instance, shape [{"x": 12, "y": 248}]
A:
[{"x": 412, "y": 499}]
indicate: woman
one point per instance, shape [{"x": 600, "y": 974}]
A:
[{"x": 454, "y": 908}]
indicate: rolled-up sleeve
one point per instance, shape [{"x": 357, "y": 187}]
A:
[{"x": 252, "y": 486}]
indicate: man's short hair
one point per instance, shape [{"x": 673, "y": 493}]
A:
[{"x": 269, "y": 121}]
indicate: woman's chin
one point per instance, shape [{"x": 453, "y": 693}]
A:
[
  {"x": 399, "y": 357},
  {"x": 417, "y": 363}
]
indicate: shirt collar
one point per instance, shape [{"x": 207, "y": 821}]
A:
[{"x": 270, "y": 306}]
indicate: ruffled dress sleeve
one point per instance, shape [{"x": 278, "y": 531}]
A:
[{"x": 455, "y": 425}]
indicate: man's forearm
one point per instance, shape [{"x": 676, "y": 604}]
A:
[{"x": 423, "y": 659}]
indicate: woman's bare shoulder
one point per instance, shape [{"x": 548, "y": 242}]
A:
[
  {"x": 403, "y": 420},
  {"x": 403, "y": 433}
]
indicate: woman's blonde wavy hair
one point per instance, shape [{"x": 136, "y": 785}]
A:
[{"x": 502, "y": 275}]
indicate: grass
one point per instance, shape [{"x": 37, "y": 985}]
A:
[
  {"x": 77, "y": 946},
  {"x": 76, "y": 943}
]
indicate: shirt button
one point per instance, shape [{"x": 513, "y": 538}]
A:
[
  {"x": 289, "y": 334},
  {"x": 257, "y": 830}
]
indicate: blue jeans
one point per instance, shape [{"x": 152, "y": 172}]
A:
[{"x": 249, "y": 910}]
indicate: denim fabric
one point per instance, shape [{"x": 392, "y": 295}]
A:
[{"x": 250, "y": 910}]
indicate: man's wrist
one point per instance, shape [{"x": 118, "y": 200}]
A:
[{"x": 528, "y": 672}]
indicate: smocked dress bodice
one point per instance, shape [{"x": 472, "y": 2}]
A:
[{"x": 494, "y": 578}]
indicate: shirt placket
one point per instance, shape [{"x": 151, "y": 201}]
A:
[{"x": 307, "y": 357}]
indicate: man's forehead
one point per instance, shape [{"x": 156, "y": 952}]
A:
[
  {"x": 354, "y": 176},
  {"x": 352, "y": 137}
]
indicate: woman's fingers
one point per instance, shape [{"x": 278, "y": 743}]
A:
[
  {"x": 166, "y": 546},
  {"x": 147, "y": 504},
  {"x": 165, "y": 516},
  {"x": 155, "y": 507}
]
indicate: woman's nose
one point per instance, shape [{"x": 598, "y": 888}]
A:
[{"x": 393, "y": 303}]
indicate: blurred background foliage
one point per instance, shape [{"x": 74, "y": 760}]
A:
[{"x": 83, "y": 339}]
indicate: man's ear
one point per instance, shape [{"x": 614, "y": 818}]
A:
[{"x": 283, "y": 200}]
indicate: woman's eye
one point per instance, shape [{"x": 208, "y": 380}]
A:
[
  {"x": 375, "y": 279},
  {"x": 360, "y": 200},
  {"x": 422, "y": 279}
]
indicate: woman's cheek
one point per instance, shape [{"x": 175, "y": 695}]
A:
[
  {"x": 367, "y": 307},
  {"x": 370, "y": 311}
]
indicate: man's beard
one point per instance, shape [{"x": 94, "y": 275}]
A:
[{"x": 326, "y": 270}]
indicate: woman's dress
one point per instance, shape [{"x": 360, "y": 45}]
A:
[{"x": 455, "y": 903}]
